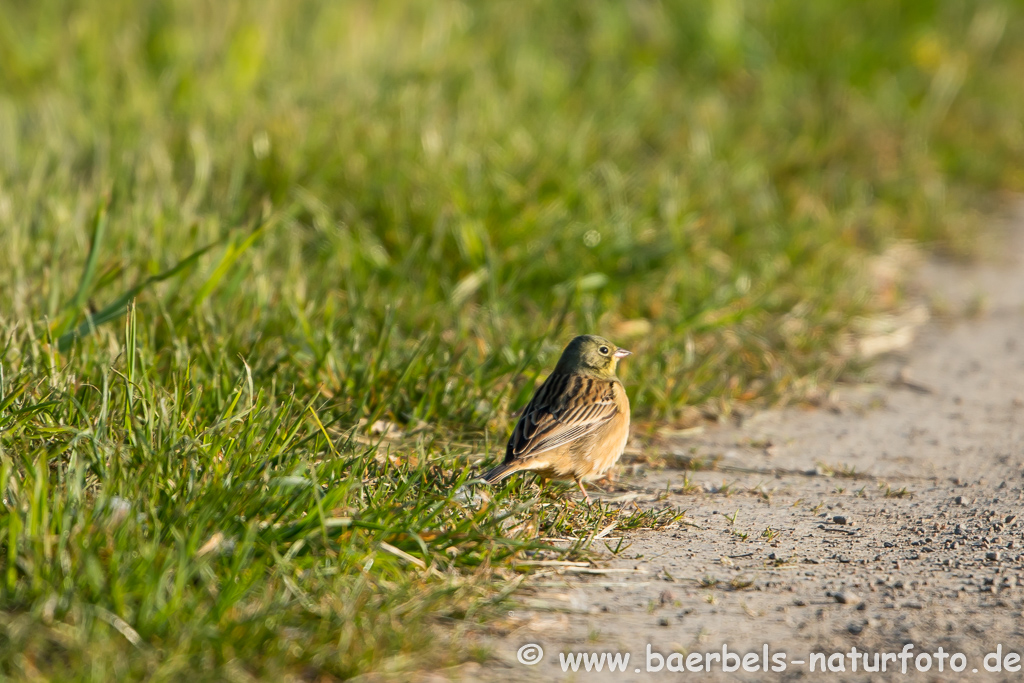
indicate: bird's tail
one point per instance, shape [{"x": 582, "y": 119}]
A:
[{"x": 500, "y": 472}]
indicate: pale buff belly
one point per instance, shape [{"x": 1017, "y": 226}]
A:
[{"x": 589, "y": 458}]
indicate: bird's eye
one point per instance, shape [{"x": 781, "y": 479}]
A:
[{"x": 604, "y": 350}]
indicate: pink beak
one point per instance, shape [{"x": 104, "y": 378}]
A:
[{"x": 622, "y": 353}]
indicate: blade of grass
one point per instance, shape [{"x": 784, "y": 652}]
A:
[
  {"x": 119, "y": 306},
  {"x": 78, "y": 301}
]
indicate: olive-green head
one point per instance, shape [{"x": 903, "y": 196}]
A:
[{"x": 591, "y": 355}]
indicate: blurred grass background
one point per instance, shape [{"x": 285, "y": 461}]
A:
[{"x": 396, "y": 213}]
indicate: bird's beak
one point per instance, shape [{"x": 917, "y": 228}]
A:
[{"x": 622, "y": 353}]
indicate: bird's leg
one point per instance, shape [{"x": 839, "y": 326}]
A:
[
  {"x": 540, "y": 482},
  {"x": 608, "y": 479},
  {"x": 579, "y": 482}
]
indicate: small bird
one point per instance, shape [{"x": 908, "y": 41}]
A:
[{"x": 577, "y": 423}]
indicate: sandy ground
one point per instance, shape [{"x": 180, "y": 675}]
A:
[{"x": 890, "y": 516}]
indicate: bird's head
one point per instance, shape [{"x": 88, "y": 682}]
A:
[{"x": 591, "y": 355}]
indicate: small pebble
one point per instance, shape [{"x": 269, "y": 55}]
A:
[
  {"x": 841, "y": 519},
  {"x": 993, "y": 555},
  {"x": 663, "y": 621},
  {"x": 847, "y": 598}
]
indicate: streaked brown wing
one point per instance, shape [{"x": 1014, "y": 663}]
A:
[{"x": 565, "y": 408}]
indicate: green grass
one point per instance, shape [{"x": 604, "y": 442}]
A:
[{"x": 235, "y": 238}]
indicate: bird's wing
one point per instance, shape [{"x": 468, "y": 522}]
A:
[{"x": 565, "y": 408}]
